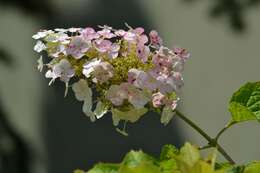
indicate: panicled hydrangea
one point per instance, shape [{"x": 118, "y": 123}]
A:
[{"x": 129, "y": 71}]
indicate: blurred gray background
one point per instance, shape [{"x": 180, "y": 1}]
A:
[{"x": 52, "y": 133}]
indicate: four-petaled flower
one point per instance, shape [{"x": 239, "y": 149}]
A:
[
  {"x": 62, "y": 70},
  {"x": 78, "y": 47}
]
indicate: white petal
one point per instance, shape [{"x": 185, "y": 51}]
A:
[
  {"x": 88, "y": 66},
  {"x": 131, "y": 115},
  {"x": 87, "y": 106},
  {"x": 49, "y": 74},
  {"x": 81, "y": 90},
  {"x": 100, "y": 110},
  {"x": 139, "y": 100},
  {"x": 66, "y": 89},
  {"x": 40, "y": 46},
  {"x": 40, "y": 64}
]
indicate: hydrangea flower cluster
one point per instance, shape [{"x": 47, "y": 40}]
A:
[{"x": 129, "y": 72}]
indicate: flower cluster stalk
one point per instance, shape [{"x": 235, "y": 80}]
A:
[{"x": 211, "y": 141}]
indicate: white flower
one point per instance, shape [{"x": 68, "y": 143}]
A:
[
  {"x": 61, "y": 30},
  {"x": 55, "y": 49},
  {"x": 40, "y": 64},
  {"x": 63, "y": 70},
  {"x": 57, "y": 37},
  {"x": 42, "y": 34},
  {"x": 50, "y": 74},
  {"x": 39, "y": 46},
  {"x": 81, "y": 90},
  {"x": 88, "y": 67},
  {"x": 74, "y": 29},
  {"x": 101, "y": 110},
  {"x": 84, "y": 93}
]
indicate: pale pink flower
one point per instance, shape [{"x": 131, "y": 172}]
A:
[
  {"x": 143, "y": 80},
  {"x": 142, "y": 39},
  {"x": 103, "y": 72},
  {"x": 154, "y": 38},
  {"x": 158, "y": 99},
  {"x": 113, "y": 51},
  {"x": 139, "y": 30},
  {"x": 116, "y": 95},
  {"x": 63, "y": 70},
  {"x": 174, "y": 104},
  {"x": 103, "y": 45},
  {"x": 162, "y": 61},
  {"x": 130, "y": 36},
  {"x": 136, "y": 97},
  {"x": 181, "y": 52},
  {"x": 89, "y": 34},
  {"x": 106, "y": 33},
  {"x": 88, "y": 67},
  {"x": 132, "y": 75},
  {"x": 120, "y": 33},
  {"x": 78, "y": 47},
  {"x": 143, "y": 52},
  {"x": 178, "y": 64}
]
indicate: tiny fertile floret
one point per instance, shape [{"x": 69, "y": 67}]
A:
[{"x": 130, "y": 71}]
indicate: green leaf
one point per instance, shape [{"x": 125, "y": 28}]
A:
[
  {"x": 168, "y": 152},
  {"x": 78, "y": 171},
  {"x": 104, "y": 168},
  {"x": 189, "y": 154},
  {"x": 225, "y": 166},
  {"x": 245, "y": 103},
  {"x": 139, "y": 162},
  {"x": 168, "y": 166},
  {"x": 253, "y": 167},
  {"x": 203, "y": 167},
  {"x": 134, "y": 158}
]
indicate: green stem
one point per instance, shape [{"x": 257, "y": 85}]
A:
[
  {"x": 224, "y": 129},
  {"x": 212, "y": 142}
]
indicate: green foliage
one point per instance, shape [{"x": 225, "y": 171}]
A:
[
  {"x": 253, "y": 167},
  {"x": 245, "y": 103},
  {"x": 104, "y": 168},
  {"x": 172, "y": 160},
  {"x": 168, "y": 152}
]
